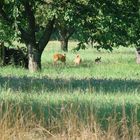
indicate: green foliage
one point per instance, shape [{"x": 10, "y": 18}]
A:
[
  {"x": 108, "y": 23},
  {"x": 16, "y": 16},
  {"x": 8, "y": 30},
  {"x": 6, "y": 34},
  {"x": 115, "y": 23},
  {"x": 120, "y": 21}
]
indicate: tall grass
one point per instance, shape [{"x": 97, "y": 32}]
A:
[
  {"x": 90, "y": 101},
  {"x": 21, "y": 123}
]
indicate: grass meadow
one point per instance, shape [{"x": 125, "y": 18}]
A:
[{"x": 67, "y": 102}]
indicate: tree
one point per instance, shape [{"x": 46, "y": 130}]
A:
[
  {"x": 131, "y": 17},
  {"x": 116, "y": 24},
  {"x": 108, "y": 23},
  {"x": 89, "y": 21},
  {"x": 65, "y": 23},
  {"x": 122, "y": 23},
  {"x": 64, "y": 34},
  {"x": 71, "y": 17},
  {"x": 24, "y": 15}
]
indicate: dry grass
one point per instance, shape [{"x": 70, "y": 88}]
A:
[{"x": 18, "y": 125}]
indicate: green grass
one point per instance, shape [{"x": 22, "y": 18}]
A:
[{"x": 88, "y": 88}]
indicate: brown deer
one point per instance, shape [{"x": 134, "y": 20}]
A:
[
  {"x": 59, "y": 57},
  {"x": 77, "y": 60}
]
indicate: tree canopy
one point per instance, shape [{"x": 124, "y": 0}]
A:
[{"x": 108, "y": 23}]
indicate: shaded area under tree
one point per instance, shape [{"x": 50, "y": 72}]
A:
[{"x": 12, "y": 56}]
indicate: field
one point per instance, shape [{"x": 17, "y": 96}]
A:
[{"x": 67, "y": 102}]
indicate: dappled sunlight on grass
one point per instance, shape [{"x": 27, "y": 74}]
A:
[{"x": 88, "y": 101}]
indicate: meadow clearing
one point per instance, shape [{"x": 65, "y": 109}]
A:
[{"x": 67, "y": 102}]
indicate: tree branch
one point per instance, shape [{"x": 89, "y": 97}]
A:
[
  {"x": 31, "y": 20},
  {"x": 66, "y": 32},
  {"x": 24, "y": 35},
  {"x": 46, "y": 35}
]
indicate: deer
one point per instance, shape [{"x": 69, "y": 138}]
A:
[
  {"x": 77, "y": 60},
  {"x": 98, "y": 60},
  {"x": 59, "y": 57}
]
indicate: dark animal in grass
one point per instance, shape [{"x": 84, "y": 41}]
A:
[{"x": 98, "y": 60}]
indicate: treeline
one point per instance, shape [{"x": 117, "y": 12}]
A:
[{"x": 108, "y": 23}]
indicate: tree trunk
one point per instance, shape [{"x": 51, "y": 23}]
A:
[
  {"x": 138, "y": 55},
  {"x": 65, "y": 34},
  {"x": 34, "y": 59},
  {"x": 64, "y": 44},
  {"x": 2, "y": 53},
  {"x": 34, "y": 45}
]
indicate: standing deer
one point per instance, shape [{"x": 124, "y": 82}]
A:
[
  {"x": 77, "y": 60},
  {"x": 59, "y": 57}
]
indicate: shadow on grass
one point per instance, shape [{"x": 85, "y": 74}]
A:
[
  {"x": 29, "y": 84},
  {"x": 71, "y": 64}
]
